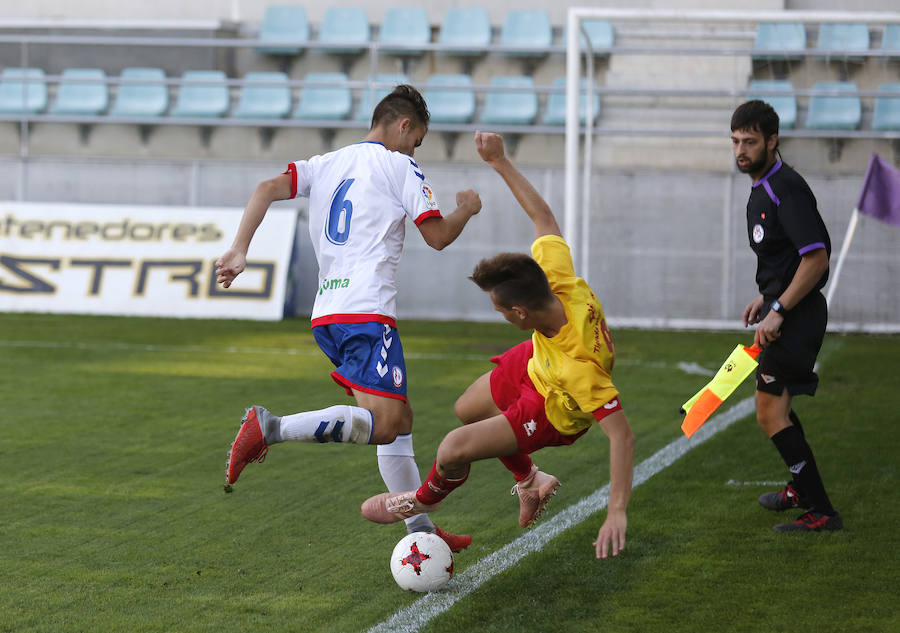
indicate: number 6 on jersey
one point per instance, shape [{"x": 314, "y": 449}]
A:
[{"x": 337, "y": 227}]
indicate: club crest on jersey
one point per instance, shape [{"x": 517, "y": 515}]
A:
[
  {"x": 397, "y": 375},
  {"x": 758, "y": 233},
  {"x": 530, "y": 427},
  {"x": 428, "y": 194}
]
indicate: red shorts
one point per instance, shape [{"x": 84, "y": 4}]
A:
[{"x": 515, "y": 395}]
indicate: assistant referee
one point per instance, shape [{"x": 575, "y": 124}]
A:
[{"x": 792, "y": 249}]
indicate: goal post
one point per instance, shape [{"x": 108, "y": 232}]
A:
[{"x": 577, "y": 188}]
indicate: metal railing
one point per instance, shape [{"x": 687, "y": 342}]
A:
[{"x": 26, "y": 42}]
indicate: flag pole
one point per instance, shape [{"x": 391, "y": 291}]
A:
[{"x": 848, "y": 237}]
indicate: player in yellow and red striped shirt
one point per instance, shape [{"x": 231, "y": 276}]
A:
[{"x": 546, "y": 391}]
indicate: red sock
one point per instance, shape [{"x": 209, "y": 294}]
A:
[
  {"x": 519, "y": 464},
  {"x": 435, "y": 487}
]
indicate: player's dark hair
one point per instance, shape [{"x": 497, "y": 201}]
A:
[
  {"x": 404, "y": 101},
  {"x": 515, "y": 279},
  {"x": 756, "y": 116}
]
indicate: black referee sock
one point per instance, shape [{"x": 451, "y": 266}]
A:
[
  {"x": 796, "y": 421},
  {"x": 798, "y": 456}
]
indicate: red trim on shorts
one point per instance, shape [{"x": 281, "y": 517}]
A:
[
  {"x": 292, "y": 170},
  {"x": 434, "y": 213},
  {"x": 350, "y": 386},
  {"x": 607, "y": 409},
  {"x": 330, "y": 319}
]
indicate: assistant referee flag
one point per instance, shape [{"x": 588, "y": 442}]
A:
[{"x": 739, "y": 364}]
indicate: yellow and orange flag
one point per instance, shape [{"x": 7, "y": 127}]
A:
[{"x": 732, "y": 373}]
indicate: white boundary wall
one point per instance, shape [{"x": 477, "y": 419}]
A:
[{"x": 673, "y": 251}]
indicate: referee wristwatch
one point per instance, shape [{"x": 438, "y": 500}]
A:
[{"x": 780, "y": 309}]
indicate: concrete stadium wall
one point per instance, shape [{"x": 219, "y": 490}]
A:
[
  {"x": 840, "y": 5},
  {"x": 253, "y": 10},
  {"x": 666, "y": 248},
  {"x": 667, "y": 235}
]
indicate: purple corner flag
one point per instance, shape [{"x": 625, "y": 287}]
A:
[{"x": 880, "y": 195}]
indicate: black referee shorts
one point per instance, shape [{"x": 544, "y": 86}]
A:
[{"x": 787, "y": 362}]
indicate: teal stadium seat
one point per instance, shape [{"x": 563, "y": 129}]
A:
[
  {"x": 328, "y": 99},
  {"x": 841, "y": 38},
  {"x": 778, "y": 93},
  {"x": 345, "y": 30},
  {"x": 834, "y": 112},
  {"x": 779, "y": 41},
  {"x": 890, "y": 39},
  {"x": 204, "y": 94},
  {"x": 886, "y": 117},
  {"x": 22, "y": 97},
  {"x": 408, "y": 26},
  {"x": 527, "y": 29},
  {"x": 506, "y": 107},
  {"x": 469, "y": 29},
  {"x": 265, "y": 95},
  {"x": 556, "y": 104},
  {"x": 372, "y": 95},
  {"x": 81, "y": 92},
  {"x": 449, "y": 105},
  {"x": 600, "y": 33},
  {"x": 142, "y": 92},
  {"x": 284, "y": 24}
]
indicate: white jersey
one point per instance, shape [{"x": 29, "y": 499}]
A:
[{"x": 359, "y": 199}]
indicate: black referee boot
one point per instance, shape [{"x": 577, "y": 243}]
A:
[
  {"x": 812, "y": 522},
  {"x": 783, "y": 499}
]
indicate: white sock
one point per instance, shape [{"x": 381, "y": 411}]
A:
[
  {"x": 340, "y": 423},
  {"x": 397, "y": 464}
]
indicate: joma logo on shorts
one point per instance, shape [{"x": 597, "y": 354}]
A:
[{"x": 334, "y": 284}]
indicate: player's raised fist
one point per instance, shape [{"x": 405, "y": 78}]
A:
[
  {"x": 489, "y": 146},
  {"x": 470, "y": 199}
]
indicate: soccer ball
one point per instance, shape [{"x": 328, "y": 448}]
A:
[{"x": 422, "y": 562}]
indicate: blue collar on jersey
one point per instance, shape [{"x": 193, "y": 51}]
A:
[
  {"x": 764, "y": 181},
  {"x": 372, "y": 142}
]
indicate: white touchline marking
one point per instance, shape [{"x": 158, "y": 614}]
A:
[
  {"x": 690, "y": 368},
  {"x": 694, "y": 368},
  {"x": 735, "y": 482},
  {"x": 428, "y": 607}
]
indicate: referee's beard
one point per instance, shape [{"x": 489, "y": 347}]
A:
[{"x": 753, "y": 166}]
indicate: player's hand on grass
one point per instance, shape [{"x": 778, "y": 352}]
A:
[
  {"x": 489, "y": 146},
  {"x": 752, "y": 311},
  {"x": 470, "y": 200},
  {"x": 611, "y": 538},
  {"x": 229, "y": 266}
]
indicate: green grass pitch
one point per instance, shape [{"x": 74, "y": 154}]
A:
[{"x": 113, "y": 517}]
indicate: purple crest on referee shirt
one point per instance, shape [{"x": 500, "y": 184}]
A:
[{"x": 880, "y": 195}]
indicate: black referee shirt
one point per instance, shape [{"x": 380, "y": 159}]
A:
[{"x": 783, "y": 223}]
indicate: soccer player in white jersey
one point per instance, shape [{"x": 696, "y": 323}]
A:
[{"x": 359, "y": 199}]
